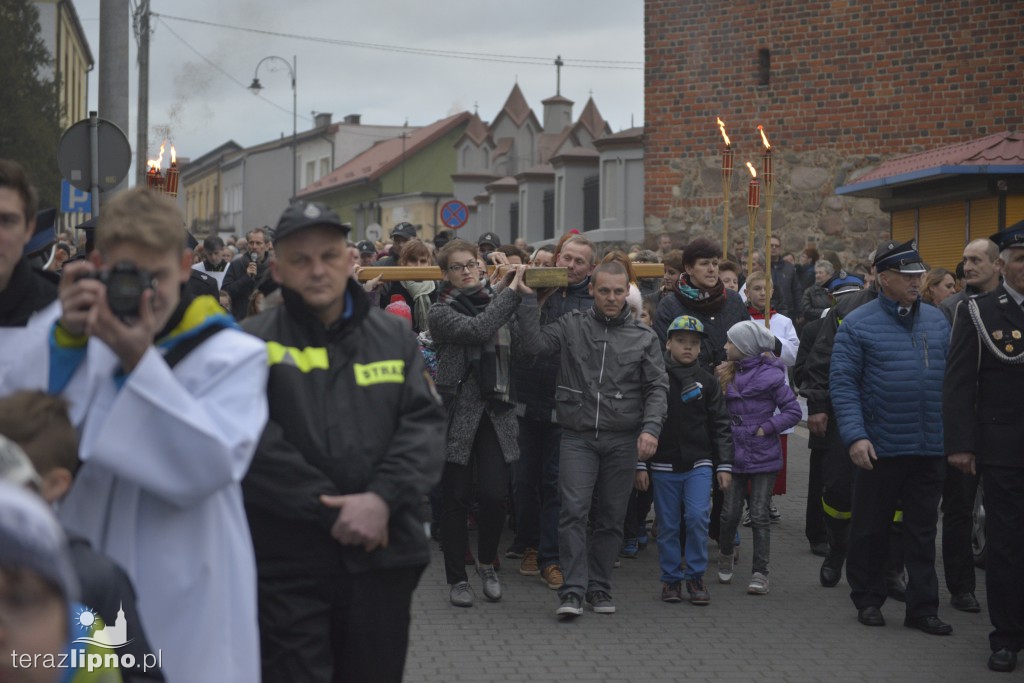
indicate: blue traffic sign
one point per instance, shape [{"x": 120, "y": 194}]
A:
[
  {"x": 73, "y": 200},
  {"x": 454, "y": 214}
]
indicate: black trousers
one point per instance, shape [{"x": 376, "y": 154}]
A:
[
  {"x": 330, "y": 629},
  {"x": 1004, "y": 567},
  {"x": 492, "y": 474},
  {"x": 814, "y": 518},
  {"x": 916, "y": 482},
  {"x": 957, "y": 522}
]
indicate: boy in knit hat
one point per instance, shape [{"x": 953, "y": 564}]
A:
[{"x": 695, "y": 440}]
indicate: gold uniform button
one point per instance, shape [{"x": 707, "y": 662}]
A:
[
  {"x": 1009, "y": 348},
  {"x": 997, "y": 335},
  {"x": 1015, "y": 334}
]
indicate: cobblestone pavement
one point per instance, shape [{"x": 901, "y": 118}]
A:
[{"x": 798, "y": 632}]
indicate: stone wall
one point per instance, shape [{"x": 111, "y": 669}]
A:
[{"x": 847, "y": 85}]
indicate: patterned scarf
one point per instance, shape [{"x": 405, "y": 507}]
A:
[
  {"x": 420, "y": 293},
  {"x": 490, "y": 361},
  {"x": 700, "y": 300}
]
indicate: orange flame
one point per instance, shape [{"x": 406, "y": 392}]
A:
[
  {"x": 174, "y": 156},
  {"x": 764, "y": 138},
  {"x": 154, "y": 164},
  {"x": 721, "y": 126},
  {"x": 753, "y": 171}
]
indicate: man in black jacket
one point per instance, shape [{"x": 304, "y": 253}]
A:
[
  {"x": 982, "y": 404},
  {"x": 354, "y": 441},
  {"x": 24, "y": 292},
  {"x": 785, "y": 281},
  {"x": 244, "y": 272}
]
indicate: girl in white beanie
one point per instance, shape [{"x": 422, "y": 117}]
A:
[{"x": 754, "y": 387}]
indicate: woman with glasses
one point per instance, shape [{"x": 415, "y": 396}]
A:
[{"x": 474, "y": 331}]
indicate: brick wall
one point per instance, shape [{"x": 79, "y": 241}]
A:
[{"x": 851, "y": 83}]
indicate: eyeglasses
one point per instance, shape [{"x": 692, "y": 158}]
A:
[{"x": 462, "y": 267}]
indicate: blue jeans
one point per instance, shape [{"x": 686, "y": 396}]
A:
[
  {"x": 598, "y": 471},
  {"x": 535, "y": 489},
  {"x": 761, "y": 485},
  {"x": 673, "y": 491}
]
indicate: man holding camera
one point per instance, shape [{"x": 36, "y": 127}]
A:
[
  {"x": 245, "y": 272},
  {"x": 168, "y": 397}
]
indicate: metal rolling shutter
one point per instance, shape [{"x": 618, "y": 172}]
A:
[
  {"x": 984, "y": 217},
  {"x": 903, "y": 225},
  {"x": 941, "y": 237}
]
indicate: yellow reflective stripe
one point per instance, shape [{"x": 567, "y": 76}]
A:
[
  {"x": 832, "y": 512},
  {"x": 306, "y": 360},
  {"x": 380, "y": 372},
  {"x": 898, "y": 517}
]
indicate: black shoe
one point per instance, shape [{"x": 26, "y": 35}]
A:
[
  {"x": 1004, "y": 660},
  {"x": 931, "y": 625},
  {"x": 870, "y": 616},
  {"x": 830, "y": 573},
  {"x": 570, "y": 606},
  {"x": 819, "y": 549},
  {"x": 965, "y": 602}
]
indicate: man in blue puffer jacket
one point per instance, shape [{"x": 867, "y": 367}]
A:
[{"x": 886, "y": 382}]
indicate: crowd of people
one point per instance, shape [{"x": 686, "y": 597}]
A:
[{"x": 246, "y": 456}]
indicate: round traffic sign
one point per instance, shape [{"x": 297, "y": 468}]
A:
[
  {"x": 112, "y": 148},
  {"x": 374, "y": 231},
  {"x": 454, "y": 214}
]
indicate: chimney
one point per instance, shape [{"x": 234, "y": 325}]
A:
[
  {"x": 322, "y": 120},
  {"x": 353, "y": 119}
]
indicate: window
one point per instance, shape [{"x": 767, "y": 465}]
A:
[
  {"x": 325, "y": 167},
  {"x": 764, "y": 66},
  {"x": 310, "y": 172}
]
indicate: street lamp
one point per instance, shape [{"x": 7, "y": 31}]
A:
[{"x": 255, "y": 87}]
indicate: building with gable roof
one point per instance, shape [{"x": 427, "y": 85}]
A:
[{"x": 523, "y": 179}]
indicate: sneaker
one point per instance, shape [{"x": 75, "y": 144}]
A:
[
  {"x": 699, "y": 595},
  {"x": 552, "y": 576},
  {"x": 629, "y": 549},
  {"x": 528, "y": 567},
  {"x": 773, "y": 513},
  {"x": 746, "y": 517},
  {"x": 514, "y": 552},
  {"x": 671, "y": 592},
  {"x": 461, "y": 594},
  {"x": 641, "y": 538},
  {"x": 758, "y": 584},
  {"x": 570, "y": 606},
  {"x": 491, "y": 583},
  {"x": 600, "y": 602},
  {"x": 725, "y": 565}
]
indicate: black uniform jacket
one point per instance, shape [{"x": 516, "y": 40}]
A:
[
  {"x": 983, "y": 393},
  {"x": 352, "y": 409}
]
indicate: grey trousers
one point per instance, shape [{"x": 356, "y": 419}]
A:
[{"x": 600, "y": 470}]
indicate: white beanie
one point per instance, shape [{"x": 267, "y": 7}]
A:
[{"x": 751, "y": 338}]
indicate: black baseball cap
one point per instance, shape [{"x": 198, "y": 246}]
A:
[
  {"x": 366, "y": 247},
  {"x": 406, "y": 230},
  {"x": 489, "y": 238},
  {"x": 301, "y": 215}
]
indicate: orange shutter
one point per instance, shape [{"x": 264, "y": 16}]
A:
[
  {"x": 941, "y": 237},
  {"x": 984, "y": 217}
]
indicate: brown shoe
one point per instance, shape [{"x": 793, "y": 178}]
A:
[
  {"x": 528, "y": 566},
  {"x": 552, "y": 576}
]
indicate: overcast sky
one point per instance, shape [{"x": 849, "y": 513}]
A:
[{"x": 204, "y": 107}]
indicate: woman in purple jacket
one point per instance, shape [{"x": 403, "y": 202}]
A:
[{"x": 754, "y": 385}]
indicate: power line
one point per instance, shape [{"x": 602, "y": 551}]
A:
[
  {"x": 221, "y": 69},
  {"x": 428, "y": 52}
]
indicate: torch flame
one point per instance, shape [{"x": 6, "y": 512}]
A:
[
  {"x": 174, "y": 156},
  {"x": 753, "y": 171},
  {"x": 155, "y": 163},
  {"x": 721, "y": 126},
  {"x": 764, "y": 138}
]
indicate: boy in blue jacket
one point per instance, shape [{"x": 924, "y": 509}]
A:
[{"x": 695, "y": 440}]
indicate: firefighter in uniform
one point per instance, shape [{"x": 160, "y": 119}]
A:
[{"x": 982, "y": 407}]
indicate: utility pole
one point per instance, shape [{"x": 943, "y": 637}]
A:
[
  {"x": 141, "y": 23},
  {"x": 113, "y": 66}
]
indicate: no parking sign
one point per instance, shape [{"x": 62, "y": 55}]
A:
[{"x": 454, "y": 214}]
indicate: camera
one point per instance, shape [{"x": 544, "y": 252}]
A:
[{"x": 125, "y": 285}]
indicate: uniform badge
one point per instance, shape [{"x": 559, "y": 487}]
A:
[
  {"x": 1015, "y": 334},
  {"x": 997, "y": 335},
  {"x": 1009, "y": 348}
]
